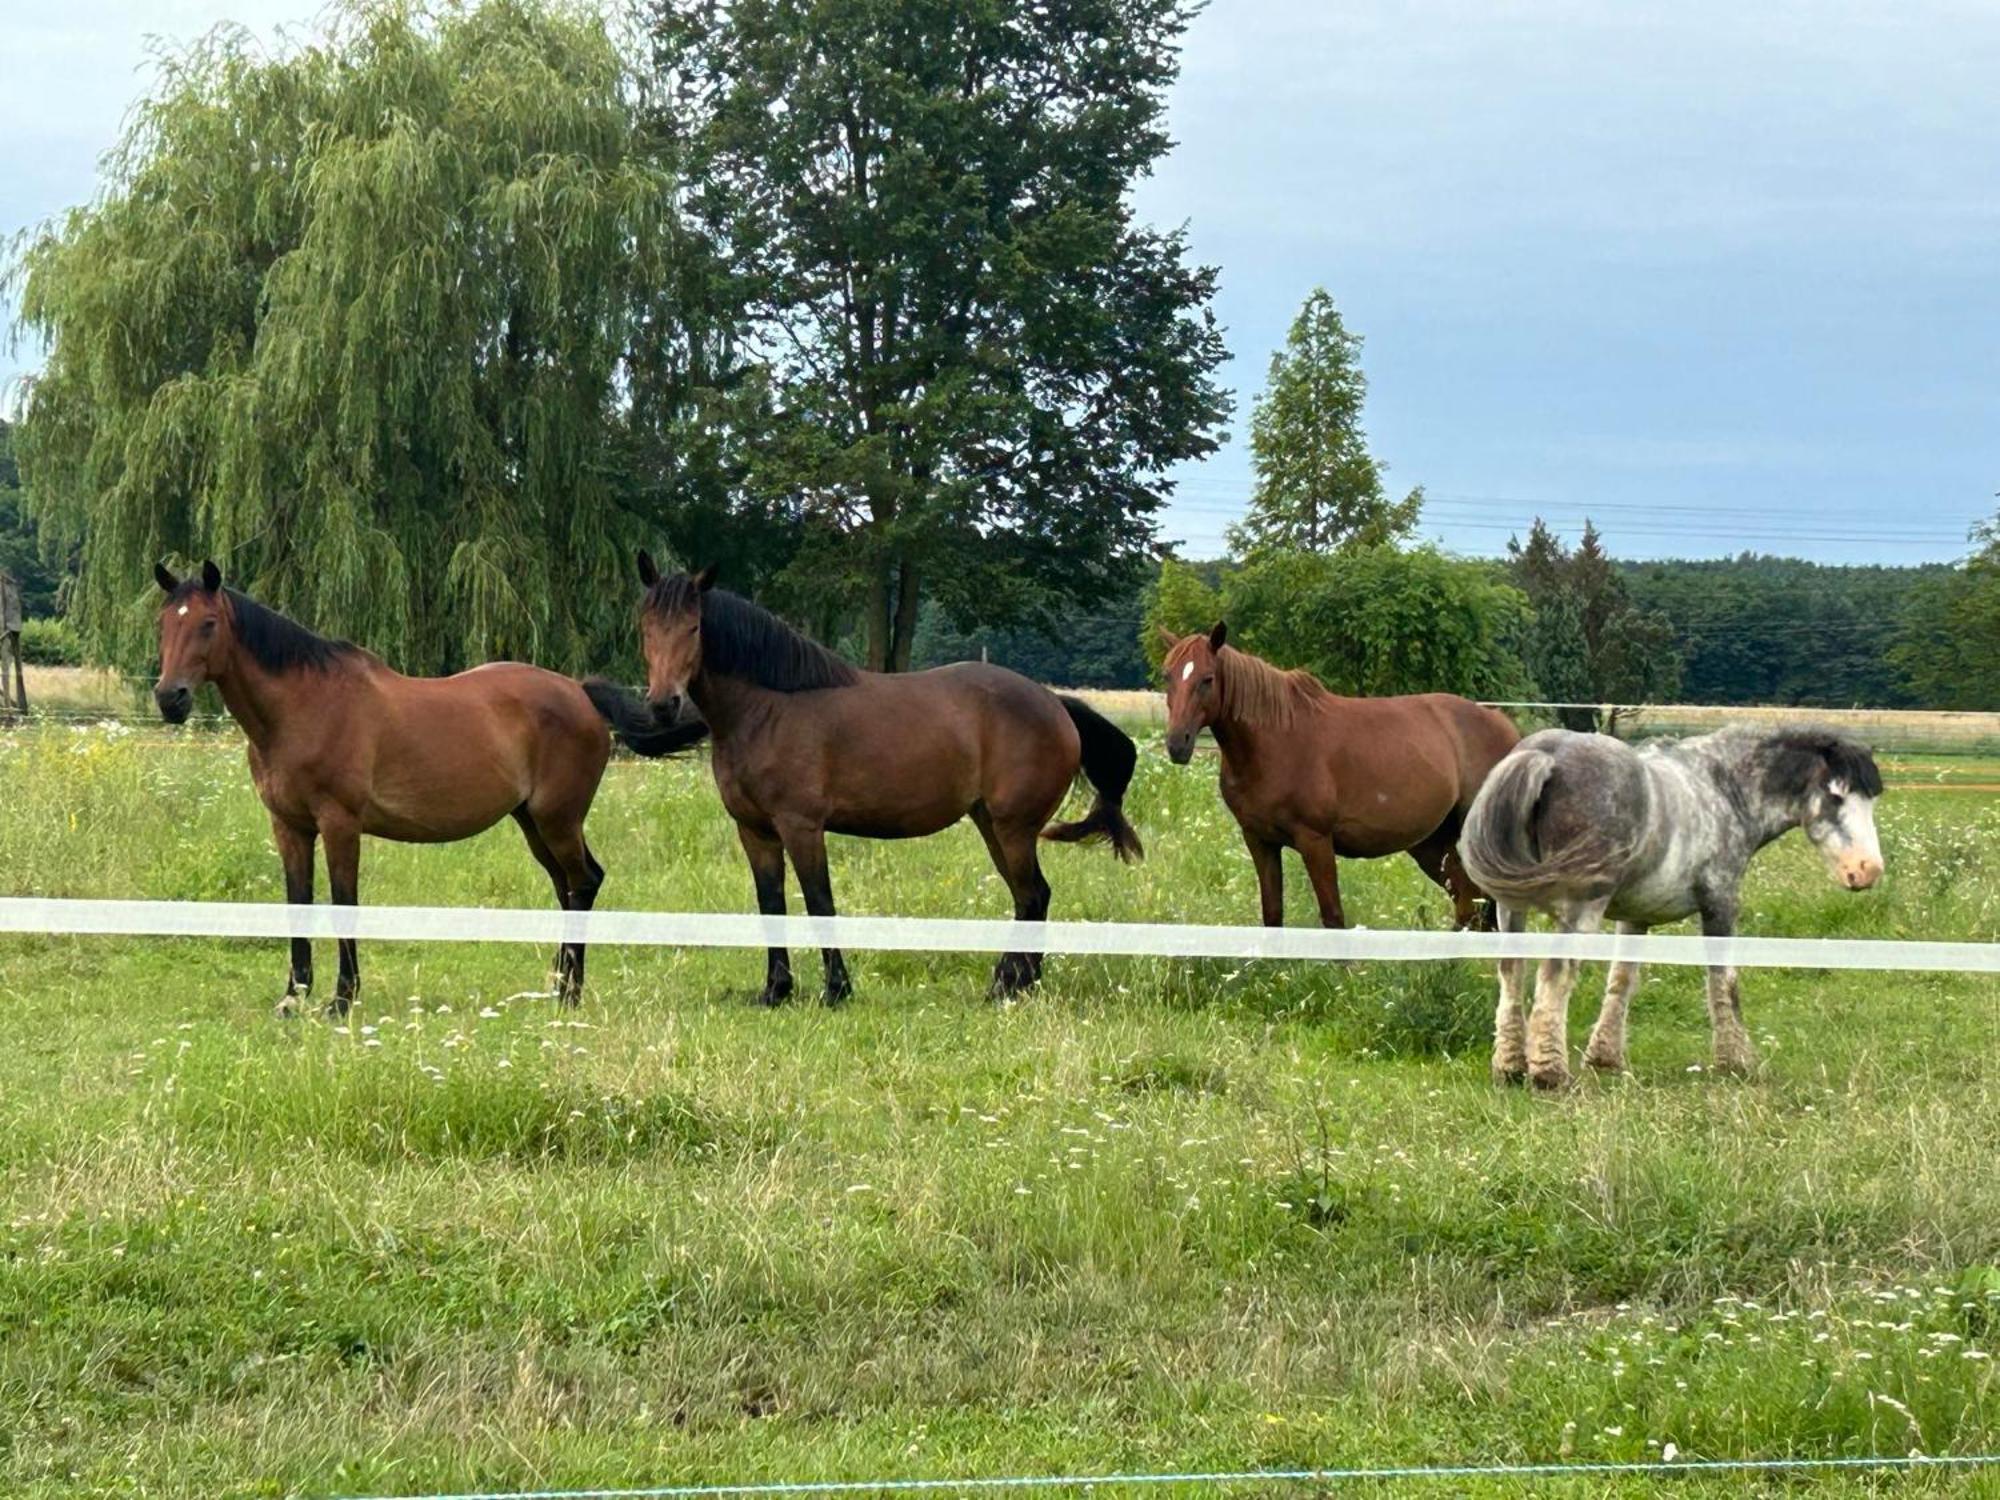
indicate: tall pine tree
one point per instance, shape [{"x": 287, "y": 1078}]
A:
[{"x": 1318, "y": 487}]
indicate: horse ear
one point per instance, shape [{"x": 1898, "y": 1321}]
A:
[
  {"x": 705, "y": 579},
  {"x": 211, "y": 576},
  {"x": 1167, "y": 637},
  {"x": 1218, "y": 637},
  {"x": 163, "y": 576},
  {"x": 649, "y": 571}
]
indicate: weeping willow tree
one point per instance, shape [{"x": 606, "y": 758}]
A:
[{"x": 362, "y": 321}]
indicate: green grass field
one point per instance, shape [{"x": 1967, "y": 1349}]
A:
[{"x": 1157, "y": 1216}]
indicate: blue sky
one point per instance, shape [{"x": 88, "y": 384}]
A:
[{"x": 1720, "y": 276}]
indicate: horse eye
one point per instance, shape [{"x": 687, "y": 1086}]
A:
[{"x": 208, "y": 627}]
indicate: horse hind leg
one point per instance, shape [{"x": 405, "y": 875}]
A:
[
  {"x": 1510, "y": 1021},
  {"x": 1548, "y": 1025},
  {"x": 538, "y": 847},
  {"x": 1605, "y": 1050},
  {"x": 557, "y": 842},
  {"x": 1018, "y": 859}
]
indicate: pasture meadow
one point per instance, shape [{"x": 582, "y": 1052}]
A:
[{"x": 1155, "y": 1216}]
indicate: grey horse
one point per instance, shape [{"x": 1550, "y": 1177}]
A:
[{"x": 1585, "y": 827}]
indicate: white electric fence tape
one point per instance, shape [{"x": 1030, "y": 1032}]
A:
[{"x": 458, "y": 924}]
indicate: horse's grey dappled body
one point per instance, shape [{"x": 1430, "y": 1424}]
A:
[{"x": 1585, "y": 827}]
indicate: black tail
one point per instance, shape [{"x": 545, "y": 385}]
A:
[
  {"x": 1109, "y": 757},
  {"x": 638, "y": 728}
]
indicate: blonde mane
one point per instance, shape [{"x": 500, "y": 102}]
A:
[{"x": 1255, "y": 692}]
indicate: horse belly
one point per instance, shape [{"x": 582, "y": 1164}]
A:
[{"x": 428, "y": 799}]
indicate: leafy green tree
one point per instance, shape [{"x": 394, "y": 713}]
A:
[
  {"x": 21, "y": 553},
  {"x": 1370, "y": 620},
  {"x": 1590, "y": 644},
  {"x": 1947, "y": 645},
  {"x": 1184, "y": 598},
  {"x": 980, "y": 365},
  {"x": 359, "y": 319},
  {"x": 1318, "y": 487}
]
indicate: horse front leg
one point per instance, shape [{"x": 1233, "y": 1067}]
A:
[
  {"x": 1510, "y": 1021},
  {"x": 1733, "y": 1050},
  {"x": 1605, "y": 1051},
  {"x": 1548, "y": 1026},
  {"x": 1324, "y": 872},
  {"x": 807, "y": 848},
  {"x": 766, "y": 854},
  {"x": 1269, "y": 860},
  {"x": 295, "y": 851},
  {"x": 343, "y": 878}
]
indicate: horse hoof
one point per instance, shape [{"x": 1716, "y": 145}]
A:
[
  {"x": 1737, "y": 1065},
  {"x": 1550, "y": 1080},
  {"x": 1509, "y": 1076},
  {"x": 838, "y": 995},
  {"x": 1603, "y": 1062}
]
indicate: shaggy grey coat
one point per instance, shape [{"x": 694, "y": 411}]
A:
[{"x": 1586, "y": 827}]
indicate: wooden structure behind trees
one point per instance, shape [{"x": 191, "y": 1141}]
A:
[{"x": 14, "y": 692}]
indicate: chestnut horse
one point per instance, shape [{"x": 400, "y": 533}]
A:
[
  {"x": 1331, "y": 776},
  {"x": 807, "y": 744},
  {"x": 340, "y": 746}
]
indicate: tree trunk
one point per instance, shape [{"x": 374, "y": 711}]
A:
[
  {"x": 906, "y": 616},
  {"x": 879, "y": 624}
]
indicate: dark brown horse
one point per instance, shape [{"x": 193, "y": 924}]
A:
[
  {"x": 340, "y": 746},
  {"x": 1331, "y": 776},
  {"x": 807, "y": 744}
]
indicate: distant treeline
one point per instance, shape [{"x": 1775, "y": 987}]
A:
[{"x": 1743, "y": 630}]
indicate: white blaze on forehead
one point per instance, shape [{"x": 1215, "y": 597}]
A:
[
  {"x": 1857, "y": 823},
  {"x": 182, "y": 610},
  {"x": 1186, "y": 671}
]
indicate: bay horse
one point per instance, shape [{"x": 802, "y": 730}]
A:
[
  {"x": 1585, "y": 827},
  {"x": 340, "y": 745},
  {"x": 807, "y": 744},
  {"x": 1332, "y": 777}
]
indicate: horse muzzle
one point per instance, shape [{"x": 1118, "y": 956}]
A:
[
  {"x": 667, "y": 709},
  {"x": 176, "y": 703},
  {"x": 1859, "y": 874},
  {"x": 1180, "y": 748}
]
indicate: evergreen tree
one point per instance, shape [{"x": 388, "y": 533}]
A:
[{"x": 1318, "y": 487}]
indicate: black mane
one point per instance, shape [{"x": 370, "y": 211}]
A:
[
  {"x": 275, "y": 643},
  {"x": 746, "y": 641},
  {"x": 1796, "y": 753}
]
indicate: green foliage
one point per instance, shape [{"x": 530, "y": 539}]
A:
[
  {"x": 1370, "y": 620},
  {"x": 21, "y": 554},
  {"x": 1185, "y": 598},
  {"x": 1078, "y": 647},
  {"x": 354, "y": 319},
  {"x": 1778, "y": 630},
  {"x": 1318, "y": 486},
  {"x": 1590, "y": 644},
  {"x": 50, "y": 643},
  {"x": 1946, "y": 649},
  {"x": 980, "y": 365}
]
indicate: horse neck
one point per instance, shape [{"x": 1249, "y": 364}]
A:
[
  {"x": 1237, "y": 734},
  {"x": 725, "y": 702},
  {"x": 259, "y": 700},
  {"x": 1765, "y": 817}
]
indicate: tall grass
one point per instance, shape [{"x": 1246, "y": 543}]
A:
[{"x": 1158, "y": 1214}]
